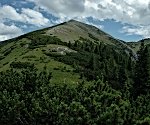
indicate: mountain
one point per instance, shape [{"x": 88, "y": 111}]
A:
[
  {"x": 48, "y": 46},
  {"x": 73, "y": 30},
  {"x": 136, "y": 45},
  {"x": 74, "y": 73}
]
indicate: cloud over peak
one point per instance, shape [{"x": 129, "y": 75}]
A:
[
  {"x": 42, "y": 13},
  {"x": 135, "y": 12}
]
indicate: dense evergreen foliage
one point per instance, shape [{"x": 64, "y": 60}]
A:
[
  {"x": 30, "y": 98},
  {"x": 142, "y": 71},
  {"x": 20, "y": 65}
]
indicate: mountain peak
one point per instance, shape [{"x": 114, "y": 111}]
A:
[
  {"x": 73, "y": 20},
  {"x": 73, "y": 30}
]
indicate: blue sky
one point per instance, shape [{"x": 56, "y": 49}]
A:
[{"x": 127, "y": 20}]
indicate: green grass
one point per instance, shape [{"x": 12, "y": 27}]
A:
[
  {"x": 73, "y": 30},
  {"x": 60, "y": 72}
]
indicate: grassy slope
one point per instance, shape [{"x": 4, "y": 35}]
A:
[
  {"x": 73, "y": 30},
  {"x": 68, "y": 31},
  {"x": 61, "y": 72}
]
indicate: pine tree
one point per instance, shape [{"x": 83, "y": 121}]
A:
[
  {"x": 141, "y": 71},
  {"x": 122, "y": 75},
  {"x": 69, "y": 44}
]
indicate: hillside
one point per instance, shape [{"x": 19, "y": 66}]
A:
[
  {"x": 29, "y": 47},
  {"x": 74, "y": 73},
  {"x": 75, "y": 30},
  {"x": 136, "y": 45}
]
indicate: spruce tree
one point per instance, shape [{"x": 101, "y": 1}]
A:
[{"x": 141, "y": 71}]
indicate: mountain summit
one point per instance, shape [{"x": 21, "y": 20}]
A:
[{"x": 73, "y": 30}]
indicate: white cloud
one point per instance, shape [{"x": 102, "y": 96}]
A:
[
  {"x": 33, "y": 17},
  {"x": 62, "y": 8},
  {"x": 7, "y": 32},
  {"x": 134, "y": 12},
  {"x": 26, "y": 16},
  {"x": 139, "y": 30},
  {"x": 9, "y": 13}
]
